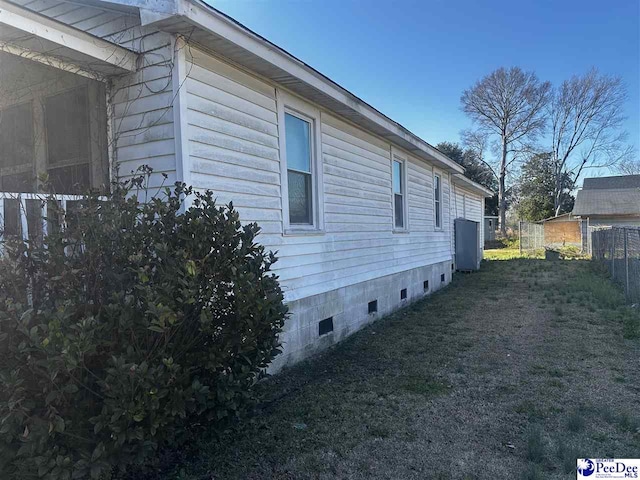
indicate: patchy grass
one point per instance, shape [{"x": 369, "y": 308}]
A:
[
  {"x": 511, "y": 372},
  {"x": 511, "y": 254}
]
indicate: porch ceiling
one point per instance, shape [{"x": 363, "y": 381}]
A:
[{"x": 37, "y": 37}]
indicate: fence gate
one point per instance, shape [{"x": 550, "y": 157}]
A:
[{"x": 531, "y": 236}]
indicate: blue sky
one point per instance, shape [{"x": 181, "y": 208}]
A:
[{"x": 412, "y": 59}]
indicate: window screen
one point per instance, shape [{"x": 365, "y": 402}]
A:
[
  {"x": 67, "y": 124},
  {"x": 68, "y": 141},
  {"x": 16, "y": 136}
]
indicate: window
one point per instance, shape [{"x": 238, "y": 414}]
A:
[
  {"x": 490, "y": 223},
  {"x": 403, "y": 294},
  {"x": 425, "y": 285},
  {"x": 398, "y": 194},
  {"x": 299, "y": 174},
  {"x": 437, "y": 189},
  {"x": 300, "y": 166}
]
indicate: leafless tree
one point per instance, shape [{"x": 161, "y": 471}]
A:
[
  {"x": 628, "y": 166},
  {"x": 478, "y": 141},
  {"x": 510, "y": 105},
  {"x": 586, "y": 115}
]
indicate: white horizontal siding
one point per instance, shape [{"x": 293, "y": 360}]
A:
[
  {"x": 231, "y": 127},
  {"x": 142, "y": 105},
  {"x": 232, "y": 136},
  {"x": 233, "y": 150}
]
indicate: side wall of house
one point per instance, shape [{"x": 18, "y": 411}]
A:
[
  {"x": 357, "y": 258},
  {"x": 228, "y": 140}
]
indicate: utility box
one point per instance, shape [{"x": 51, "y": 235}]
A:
[{"x": 467, "y": 244}]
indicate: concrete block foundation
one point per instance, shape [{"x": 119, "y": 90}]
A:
[{"x": 348, "y": 307}]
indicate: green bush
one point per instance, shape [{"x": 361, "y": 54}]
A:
[{"x": 135, "y": 327}]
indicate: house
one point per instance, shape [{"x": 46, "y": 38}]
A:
[
  {"x": 609, "y": 201},
  {"x": 563, "y": 230},
  {"x": 490, "y": 227},
  {"x": 359, "y": 209}
]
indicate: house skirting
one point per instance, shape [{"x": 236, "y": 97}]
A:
[{"x": 348, "y": 308}]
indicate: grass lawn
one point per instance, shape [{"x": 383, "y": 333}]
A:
[{"x": 511, "y": 372}]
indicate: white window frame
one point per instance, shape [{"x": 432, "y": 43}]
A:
[
  {"x": 288, "y": 103},
  {"x": 437, "y": 204},
  {"x": 397, "y": 156}
]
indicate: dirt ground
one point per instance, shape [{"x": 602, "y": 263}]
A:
[{"x": 511, "y": 372}]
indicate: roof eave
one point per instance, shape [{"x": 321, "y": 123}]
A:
[
  {"x": 219, "y": 33},
  {"x": 61, "y": 45},
  {"x": 459, "y": 179}
]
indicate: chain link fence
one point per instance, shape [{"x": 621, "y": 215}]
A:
[
  {"x": 534, "y": 236},
  {"x": 531, "y": 236},
  {"x": 618, "y": 249}
]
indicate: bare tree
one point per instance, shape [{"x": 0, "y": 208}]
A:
[
  {"x": 586, "y": 118},
  {"x": 628, "y": 166},
  {"x": 509, "y": 104}
]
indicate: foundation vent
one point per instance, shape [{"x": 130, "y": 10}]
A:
[
  {"x": 373, "y": 306},
  {"x": 325, "y": 326}
]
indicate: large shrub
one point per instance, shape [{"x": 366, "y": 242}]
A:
[{"x": 137, "y": 324}]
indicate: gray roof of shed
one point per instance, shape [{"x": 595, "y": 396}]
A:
[
  {"x": 609, "y": 183},
  {"x": 607, "y": 201}
]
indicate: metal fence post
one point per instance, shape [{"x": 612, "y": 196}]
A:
[
  {"x": 520, "y": 235},
  {"x": 626, "y": 264},
  {"x": 613, "y": 254}
]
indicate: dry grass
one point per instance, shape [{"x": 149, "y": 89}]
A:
[
  {"x": 511, "y": 372},
  {"x": 511, "y": 254}
]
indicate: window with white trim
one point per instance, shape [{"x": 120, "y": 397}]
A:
[
  {"x": 399, "y": 213},
  {"x": 299, "y": 169},
  {"x": 437, "y": 195},
  {"x": 300, "y": 165}
]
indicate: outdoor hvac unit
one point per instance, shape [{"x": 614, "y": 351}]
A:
[{"x": 467, "y": 244}]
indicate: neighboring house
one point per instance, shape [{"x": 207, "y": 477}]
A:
[
  {"x": 563, "y": 230},
  {"x": 359, "y": 209},
  {"x": 609, "y": 201},
  {"x": 490, "y": 227}
]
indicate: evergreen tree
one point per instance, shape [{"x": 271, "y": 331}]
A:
[
  {"x": 536, "y": 189},
  {"x": 475, "y": 169}
]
